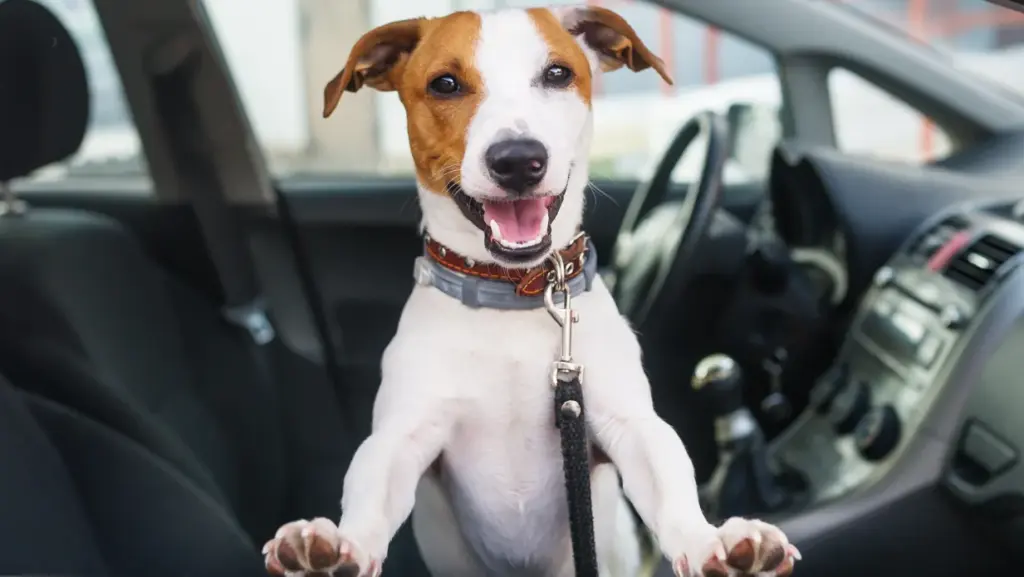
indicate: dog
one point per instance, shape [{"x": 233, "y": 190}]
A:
[{"x": 500, "y": 122}]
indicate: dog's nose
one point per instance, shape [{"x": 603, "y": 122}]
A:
[{"x": 517, "y": 164}]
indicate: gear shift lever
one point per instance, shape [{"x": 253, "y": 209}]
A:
[
  {"x": 743, "y": 483},
  {"x": 720, "y": 380}
]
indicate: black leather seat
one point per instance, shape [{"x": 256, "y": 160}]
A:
[{"x": 183, "y": 455}]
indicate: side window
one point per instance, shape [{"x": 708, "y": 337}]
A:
[
  {"x": 896, "y": 131},
  {"x": 983, "y": 40},
  {"x": 111, "y": 147},
  {"x": 281, "y": 84}
]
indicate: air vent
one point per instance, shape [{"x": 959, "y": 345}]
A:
[
  {"x": 932, "y": 240},
  {"x": 975, "y": 266}
]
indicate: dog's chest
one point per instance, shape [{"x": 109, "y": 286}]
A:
[
  {"x": 502, "y": 467},
  {"x": 504, "y": 461}
]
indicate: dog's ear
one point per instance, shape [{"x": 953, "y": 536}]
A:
[
  {"x": 613, "y": 39},
  {"x": 375, "y": 61}
]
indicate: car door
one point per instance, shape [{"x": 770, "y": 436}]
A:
[{"x": 347, "y": 182}]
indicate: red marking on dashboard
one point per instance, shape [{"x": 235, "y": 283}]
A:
[{"x": 942, "y": 256}]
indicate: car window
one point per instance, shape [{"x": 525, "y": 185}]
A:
[
  {"x": 871, "y": 122},
  {"x": 111, "y": 148},
  {"x": 281, "y": 84},
  {"x": 981, "y": 39}
]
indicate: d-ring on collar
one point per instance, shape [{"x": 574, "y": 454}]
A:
[{"x": 495, "y": 292}]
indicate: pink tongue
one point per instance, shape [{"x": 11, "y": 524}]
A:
[{"x": 519, "y": 220}]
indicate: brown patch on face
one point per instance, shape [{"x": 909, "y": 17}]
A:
[
  {"x": 564, "y": 51},
  {"x": 437, "y": 124}
]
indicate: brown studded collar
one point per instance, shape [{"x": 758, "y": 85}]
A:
[{"x": 527, "y": 282}]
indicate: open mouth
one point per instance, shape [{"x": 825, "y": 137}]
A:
[{"x": 515, "y": 230}]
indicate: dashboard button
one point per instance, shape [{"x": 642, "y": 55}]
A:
[
  {"x": 952, "y": 317},
  {"x": 849, "y": 407},
  {"x": 987, "y": 450},
  {"x": 878, "y": 433},
  {"x": 929, "y": 350}
]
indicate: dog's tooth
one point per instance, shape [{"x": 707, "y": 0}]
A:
[
  {"x": 495, "y": 231},
  {"x": 544, "y": 224}
]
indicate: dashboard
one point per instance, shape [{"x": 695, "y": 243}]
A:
[{"x": 928, "y": 387}]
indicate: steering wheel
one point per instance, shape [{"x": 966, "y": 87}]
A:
[{"x": 655, "y": 251}]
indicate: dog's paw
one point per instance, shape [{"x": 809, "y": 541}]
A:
[
  {"x": 740, "y": 548},
  {"x": 316, "y": 549}
]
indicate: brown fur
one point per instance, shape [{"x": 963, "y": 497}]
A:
[
  {"x": 564, "y": 51},
  {"x": 408, "y": 54}
]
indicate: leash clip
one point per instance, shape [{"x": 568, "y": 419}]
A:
[{"x": 563, "y": 370}]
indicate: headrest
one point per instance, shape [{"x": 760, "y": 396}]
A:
[{"x": 44, "y": 95}]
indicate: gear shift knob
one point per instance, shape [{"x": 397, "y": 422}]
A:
[
  {"x": 743, "y": 482},
  {"x": 720, "y": 381}
]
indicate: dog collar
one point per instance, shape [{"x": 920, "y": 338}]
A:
[{"x": 487, "y": 285}]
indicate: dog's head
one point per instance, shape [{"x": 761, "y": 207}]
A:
[{"x": 498, "y": 107}]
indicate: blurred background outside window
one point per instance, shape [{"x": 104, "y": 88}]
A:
[{"x": 282, "y": 52}]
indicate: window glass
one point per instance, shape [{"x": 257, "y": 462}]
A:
[
  {"x": 871, "y": 122},
  {"x": 111, "y": 147},
  {"x": 982, "y": 39},
  {"x": 281, "y": 84}
]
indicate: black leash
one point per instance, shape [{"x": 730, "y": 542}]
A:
[{"x": 567, "y": 380}]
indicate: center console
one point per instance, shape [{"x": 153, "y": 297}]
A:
[{"x": 927, "y": 391}]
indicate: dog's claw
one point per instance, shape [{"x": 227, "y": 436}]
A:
[
  {"x": 715, "y": 567},
  {"x": 681, "y": 568},
  {"x": 273, "y": 565}
]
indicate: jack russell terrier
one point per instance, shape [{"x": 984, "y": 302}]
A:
[{"x": 500, "y": 123}]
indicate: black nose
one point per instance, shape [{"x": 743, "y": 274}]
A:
[{"x": 517, "y": 164}]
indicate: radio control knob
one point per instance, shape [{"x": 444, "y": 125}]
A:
[
  {"x": 878, "y": 433},
  {"x": 849, "y": 406}
]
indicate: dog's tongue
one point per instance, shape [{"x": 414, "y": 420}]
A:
[{"x": 518, "y": 220}]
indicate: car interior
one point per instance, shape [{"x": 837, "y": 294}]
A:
[{"x": 182, "y": 372}]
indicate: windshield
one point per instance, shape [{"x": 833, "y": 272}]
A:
[{"x": 980, "y": 38}]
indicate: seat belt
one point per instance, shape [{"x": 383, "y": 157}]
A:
[{"x": 226, "y": 242}]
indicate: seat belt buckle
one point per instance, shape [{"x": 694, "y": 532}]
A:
[{"x": 252, "y": 317}]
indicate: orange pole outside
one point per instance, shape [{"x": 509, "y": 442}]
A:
[
  {"x": 958, "y": 21},
  {"x": 666, "y": 37},
  {"x": 711, "y": 42},
  {"x": 917, "y": 19}
]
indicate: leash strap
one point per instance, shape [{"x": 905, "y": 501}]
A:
[
  {"x": 576, "y": 463},
  {"x": 567, "y": 381}
]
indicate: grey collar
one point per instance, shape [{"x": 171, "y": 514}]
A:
[{"x": 476, "y": 292}]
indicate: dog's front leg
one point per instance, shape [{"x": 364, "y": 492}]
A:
[
  {"x": 658, "y": 477},
  {"x": 411, "y": 426}
]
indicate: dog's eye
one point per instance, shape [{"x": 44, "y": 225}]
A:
[
  {"x": 557, "y": 76},
  {"x": 444, "y": 85}
]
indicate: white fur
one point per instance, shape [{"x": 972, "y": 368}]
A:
[
  {"x": 471, "y": 387},
  {"x": 510, "y": 56}
]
